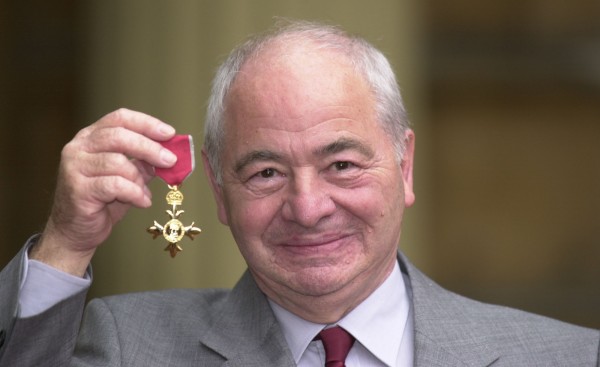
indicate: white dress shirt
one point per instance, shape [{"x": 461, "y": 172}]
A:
[
  {"x": 44, "y": 286},
  {"x": 382, "y": 326}
]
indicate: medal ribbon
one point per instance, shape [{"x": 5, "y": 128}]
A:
[{"x": 183, "y": 147}]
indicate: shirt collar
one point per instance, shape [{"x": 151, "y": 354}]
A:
[
  {"x": 378, "y": 322},
  {"x": 297, "y": 331}
]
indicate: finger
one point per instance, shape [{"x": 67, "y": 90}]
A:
[
  {"x": 146, "y": 171},
  {"x": 139, "y": 122},
  {"x": 146, "y": 174},
  {"x": 109, "y": 189},
  {"x": 130, "y": 143},
  {"x": 110, "y": 164}
]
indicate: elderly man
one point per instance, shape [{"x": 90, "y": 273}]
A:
[{"x": 310, "y": 159}]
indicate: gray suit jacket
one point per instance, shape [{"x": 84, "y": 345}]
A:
[{"x": 237, "y": 328}]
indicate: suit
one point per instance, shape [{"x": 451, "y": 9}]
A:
[{"x": 238, "y": 328}]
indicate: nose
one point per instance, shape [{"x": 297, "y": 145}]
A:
[{"x": 308, "y": 200}]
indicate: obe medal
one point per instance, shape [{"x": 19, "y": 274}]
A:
[{"x": 174, "y": 230}]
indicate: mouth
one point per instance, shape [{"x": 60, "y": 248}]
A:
[{"x": 316, "y": 245}]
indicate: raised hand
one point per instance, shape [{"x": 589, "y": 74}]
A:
[{"x": 103, "y": 172}]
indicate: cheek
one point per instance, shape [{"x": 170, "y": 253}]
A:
[
  {"x": 379, "y": 207},
  {"x": 370, "y": 204},
  {"x": 248, "y": 219}
]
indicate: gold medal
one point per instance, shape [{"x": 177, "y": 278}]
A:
[{"x": 173, "y": 231}]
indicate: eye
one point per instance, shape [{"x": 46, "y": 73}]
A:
[
  {"x": 342, "y": 165},
  {"x": 265, "y": 181},
  {"x": 267, "y": 173}
]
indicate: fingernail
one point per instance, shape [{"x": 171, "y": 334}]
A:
[
  {"x": 167, "y": 156},
  {"x": 147, "y": 201},
  {"x": 147, "y": 193},
  {"x": 166, "y": 129}
]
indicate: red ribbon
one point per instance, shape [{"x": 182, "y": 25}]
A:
[{"x": 183, "y": 147}]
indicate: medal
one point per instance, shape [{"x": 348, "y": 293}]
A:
[{"x": 174, "y": 230}]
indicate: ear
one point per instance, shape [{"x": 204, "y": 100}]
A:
[
  {"x": 407, "y": 168},
  {"x": 217, "y": 190}
]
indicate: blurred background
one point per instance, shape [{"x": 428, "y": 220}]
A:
[{"x": 504, "y": 97}]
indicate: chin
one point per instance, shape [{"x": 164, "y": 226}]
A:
[{"x": 320, "y": 281}]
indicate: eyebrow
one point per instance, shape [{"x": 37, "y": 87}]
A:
[
  {"x": 344, "y": 144},
  {"x": 254, "y": 156}
]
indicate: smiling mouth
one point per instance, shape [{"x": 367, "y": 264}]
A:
[{"x": 314, "y": 246}]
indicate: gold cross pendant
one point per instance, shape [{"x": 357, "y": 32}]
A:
[{"x": 173, "y": 231}]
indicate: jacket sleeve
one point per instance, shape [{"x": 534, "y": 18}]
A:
[{"x": 47, "y": 339}]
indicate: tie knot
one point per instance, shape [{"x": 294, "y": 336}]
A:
[{"x": 337, "y": 343}]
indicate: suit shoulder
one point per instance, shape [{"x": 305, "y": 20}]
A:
[
  {"x": 499, "y": 317},
  {"x": 462, "y": 326},
  {"x": 516, "y": 335},
  {"x": 522, "y": 335}
]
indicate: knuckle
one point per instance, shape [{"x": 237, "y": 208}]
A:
[
  {"x": 83, "y": 133},
  {"x": 103, "y": 187},
  {"x": 68, "y": 150},
  {"x": 116, "y": 164},
  {"x": 110, "y": 138},
  {"x": 113, "y": 135},
  {"x": 119, "y": 160},
  {"x": 71, "y": 152},
  {"x": 119, "y": 185},
  {"x": 119, "y": 115}
]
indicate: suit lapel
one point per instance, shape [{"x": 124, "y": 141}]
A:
[
  {"x": 444, "y": 332},
  {"x": 246, "y": 332}
]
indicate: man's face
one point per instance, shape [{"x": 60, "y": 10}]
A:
[{"x": 312, "y": 191}]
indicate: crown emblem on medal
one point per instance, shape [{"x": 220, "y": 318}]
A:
[{"x": 174, "y": 197}]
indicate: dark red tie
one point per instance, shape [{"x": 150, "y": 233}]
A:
[{"x": 337, "y": 343}]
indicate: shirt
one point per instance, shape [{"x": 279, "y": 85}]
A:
[
  {"x": 44, "y": 286},
  {"x": 382, "y": 326}
]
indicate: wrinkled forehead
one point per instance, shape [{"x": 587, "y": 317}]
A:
[{"x": 295, "y": 79}]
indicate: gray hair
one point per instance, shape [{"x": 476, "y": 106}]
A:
[{"x": 367, "y": 60}]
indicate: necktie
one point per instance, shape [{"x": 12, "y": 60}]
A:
[{"x": 337, "y": 343}]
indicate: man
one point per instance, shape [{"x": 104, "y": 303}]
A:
[{"x": 310, "y": 159}]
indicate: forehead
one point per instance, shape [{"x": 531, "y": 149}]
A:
[{"x": 295, "y": 81}]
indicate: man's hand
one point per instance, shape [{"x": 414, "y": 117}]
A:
[{"x": 103, "y": 172}]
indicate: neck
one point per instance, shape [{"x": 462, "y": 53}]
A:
[{"x": 325, "y": 308}]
